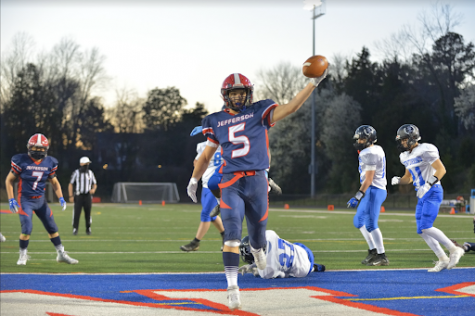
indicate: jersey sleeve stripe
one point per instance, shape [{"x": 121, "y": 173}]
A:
[
  {"x": 208, "y": 130},
  {"x": 16, "y": 167},
  {"x": 267, "y": 114}
]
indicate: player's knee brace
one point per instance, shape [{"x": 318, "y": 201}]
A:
[{"x": 232, "y": 243}]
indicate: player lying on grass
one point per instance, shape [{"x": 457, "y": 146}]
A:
[{"x": 284, "y": 259}]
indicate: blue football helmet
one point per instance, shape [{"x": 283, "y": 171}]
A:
[
  {"x": 409, "y": 132},
  {"x": 367, "y": 133},
  {"x": 245, "y": 250}
]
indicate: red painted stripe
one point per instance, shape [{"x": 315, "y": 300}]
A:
[
  {"x": 453, "y": 289},
  {"x": 363, "y": 306}
]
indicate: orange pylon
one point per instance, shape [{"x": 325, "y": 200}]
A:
[
  {"x": 330, "y": 207},
  {"x": 383, "y": 209},
  {"x": 286, "y": 206},
  {"x": 163, "y": 202},
  {"x": 452, "y": 211}
]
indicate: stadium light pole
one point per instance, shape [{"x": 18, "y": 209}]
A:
[{"x": 317, "y": 7}]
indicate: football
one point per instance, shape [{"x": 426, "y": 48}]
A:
[{"x": 314, "y": 66}]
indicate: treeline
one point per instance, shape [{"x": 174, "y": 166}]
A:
[
  {"x": 434, "y": 90},
  {"x": 147, "y": 139}
]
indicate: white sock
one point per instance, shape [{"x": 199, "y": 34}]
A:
[
  {"x": 378, "y": 240},
  {"x": 23, "y": 251},
  {"x": 368, "y": 237},
  {"x": 231, "y": 275},
  {"x": 439, "y": 235},
  {"x": 59, "y": 248},
  {"x": 435, "y": 246}
]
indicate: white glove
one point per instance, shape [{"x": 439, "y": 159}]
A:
[
  {"x": 395, "y": 180},
  {"x": 423, "y": 190},
  {"x": 249, "y": 268},
  {"x": 316, "y": 81},
  {"x": 191, "y": 189}
]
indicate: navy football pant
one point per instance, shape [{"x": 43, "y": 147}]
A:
[
  {"x": 42, "y": 210},
  {"x": 245, "y": 195}
]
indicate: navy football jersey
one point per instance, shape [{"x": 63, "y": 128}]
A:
[
  {"x": 33, "y": 174},
  {"x": 243, "y": 136}
]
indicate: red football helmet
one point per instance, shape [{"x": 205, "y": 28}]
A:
[
  {"x": 237, "y": 81},
  {"x": 37, "y": 140}
]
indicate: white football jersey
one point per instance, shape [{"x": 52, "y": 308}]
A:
[
  {"x": 419, "y": 163},
  {"x": 373, "y": 158},
  {"x": 213, "y": 164},
  {"x": 284, "y": 259}
]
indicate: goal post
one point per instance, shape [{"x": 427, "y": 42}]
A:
[{"x": 146, "y": 192}]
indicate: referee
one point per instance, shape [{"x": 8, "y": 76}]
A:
[{"x": 85, "y": 186}]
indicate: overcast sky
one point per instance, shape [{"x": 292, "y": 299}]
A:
[{"x": 194, "y": 45}]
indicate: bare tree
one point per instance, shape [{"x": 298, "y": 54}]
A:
[
  {"x": 411, "y": 39},
  {"x": 13, "y": 61},
  {"x": 280, "y": 83},
  {"x": 127, "y": 114}
]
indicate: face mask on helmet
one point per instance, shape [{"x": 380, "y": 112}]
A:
[
  {"x": 409, "y": 132},
  {"x": 245, "y": 250},
  {"x": 35, "y": 144},
  {"x": 366, "y": 133},
  {"x": 233, "y": 82}
]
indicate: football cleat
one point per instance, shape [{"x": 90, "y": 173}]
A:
[
  {"x": 23, "y": 259},
  {"x": 88, "y": 231},
  {"x": 63, "y": 257},
  {"x": 455, "y": 256},
  {"x": 274, "y": 186},
  {"x": 439, "y": 266},
  {"x": 234, "y": 299},
  {"x": 75, "y": 231},
  {"x": 467, "y": 246},
  {"x": 378, "y": 260},
  {"x": 260, "y": 258},
  {"x": 192, "y": 246},
  {"x": 215, "y": 211},
  {"x": 371, "y": 254},
  {"x": 2, "y": 238}
]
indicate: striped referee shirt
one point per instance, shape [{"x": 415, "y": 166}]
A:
[{"x": 83, "y": 180}]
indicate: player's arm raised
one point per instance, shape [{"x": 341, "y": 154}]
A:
[{"x": 285, "y": 110}]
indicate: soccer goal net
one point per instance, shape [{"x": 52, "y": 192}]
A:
[{"x": 146, "y": 192}]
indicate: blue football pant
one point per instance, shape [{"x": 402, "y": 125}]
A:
[
  {"x": 427, "y": 208},
  {"x": 208, "y": 202},
  {"x": 369, "y": 208}
]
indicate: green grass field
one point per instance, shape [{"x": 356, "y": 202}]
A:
[{"x": 146, "y": 239}]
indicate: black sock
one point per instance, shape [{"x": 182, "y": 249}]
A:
[
  {"x": 56, "y": 241},
  {"x": 24, "y": 244},
  {"x": 196, "y": 240}
]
